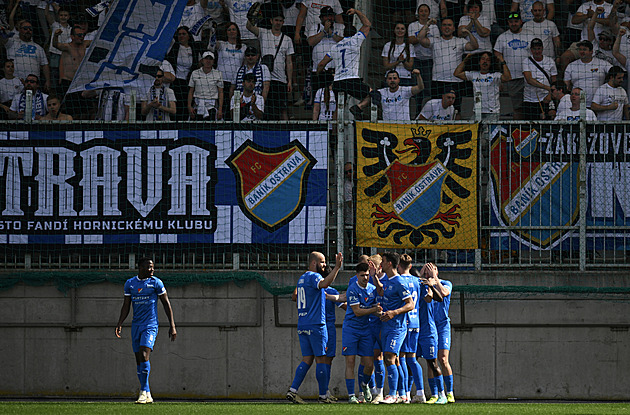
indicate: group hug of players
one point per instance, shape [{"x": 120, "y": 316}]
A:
[{"x": 394, "y": 313}]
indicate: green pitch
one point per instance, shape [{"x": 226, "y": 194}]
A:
[{"x": 51, "y": 408}]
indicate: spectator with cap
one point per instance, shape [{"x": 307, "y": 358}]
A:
[
  {"x": 540, "y": 73},
  {"x": 322, "y": 38},
  {"x": 279, "y": 47},
  {"x": 513, "y": 47},
  {"x": 252, "y": 104},
  {"x": 252, "y": 65},
  {"x": 28, "y": 56},
  {"x": 587, "y": 73},
  {"x": 544, "y": 29},
  {"x": 310, "y": 16},
  {"x": 205, "y": 93},
  {"x": 603, "y": 44},
  {"x": 440, "y": 109}
]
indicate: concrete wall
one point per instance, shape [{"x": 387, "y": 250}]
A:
[{"x": 241, "y": 342}]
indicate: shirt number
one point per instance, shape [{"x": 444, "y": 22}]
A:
[{"x": 301, "y": 298}]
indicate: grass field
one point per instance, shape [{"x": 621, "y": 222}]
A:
[{"x": 272, "y": 408}]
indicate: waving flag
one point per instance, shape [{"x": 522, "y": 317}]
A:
[{"x": 130, "y": 45}]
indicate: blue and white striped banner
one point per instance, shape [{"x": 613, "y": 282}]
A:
[
  {"x": 157, "y": 186},
  {"x": 130, "y": 45}
]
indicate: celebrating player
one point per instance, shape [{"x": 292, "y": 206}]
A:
[
  {"x": 312, "y": 331},
  {"x": 143, "y": 291}
]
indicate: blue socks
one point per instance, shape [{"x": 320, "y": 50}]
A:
[
  {"x": 416, "y": 371},
  {"x": 300, "y": 374},
  {"x": 322, "y": 376},
  {"x": 392, "y": 379},
  {"x": 448, "y": 383},
  {"x": 144, "y": 369},
  {"x": 379, "y": 373},
  {"x": 438, "y": 381},
  {"x": 350, "y": 386},
  {"x": 402, "y": 382},
  {"x": 433, "y": 386}
]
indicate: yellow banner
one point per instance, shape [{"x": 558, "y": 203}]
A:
[{"x": 416, "y": 186}]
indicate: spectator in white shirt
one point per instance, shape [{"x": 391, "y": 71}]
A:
[
  {"x": 610, "y": 101},
  {"x": 572, "y": 113},
  {"x": 205, "y": 93},
  {"x": 398, "y": 55},
  {"x": 395, "y": 98},
  {"x": 588, "y": 73},
  {"x": 540, "y": 73},
  {"x": 159, "y": 104},
  {"x": 10, "y": 86},
  {"x": 440, "y": 109}
]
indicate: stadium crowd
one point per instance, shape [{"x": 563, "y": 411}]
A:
[
  {"x": 282, "y": 55},
  {"x": 394, "y": 314}
]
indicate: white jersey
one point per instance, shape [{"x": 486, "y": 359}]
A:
[
  {"x": 238, "y": 14},
  {"x": 598, "y": 27},
  {"x": 10, "y": 88},
  {"x": 606, "y": 95},
  {"x": 247, "y": 113},
  {"x": 488, "y": 10},
  {"x": 403, "y": 73},
  {"x": 545, "y": 31},
  {"x": 530, "y": 92},
  {"x": 485, "y": 45},
  {"x": 564, "y": 104},
  {"x": 190, "y": 16},
  {"x": 525, "y": 7},
  {"x": 588, "y": 76},
  {"x": 447, "y": 55},
  {"x": 423, "y": 53},
  {"x": 488, "y": 84},
  {"x": 514, "y": 47},
  {"x": 570, "y": 115},
  {"x": 396, "y": 104},
  {"x": 28, "y": 57},
  {"x": 326, "y": 112},
  {"x": 433, "y": 110},
  {"x": 323, "y": 48},
  {"x": 206, "y": 84},
  {"x": 64, "y": 37},
  {"x": 347, "y": 55},
  {"x": 268, "y": 46},
  {"x": 229, "y": 60}
]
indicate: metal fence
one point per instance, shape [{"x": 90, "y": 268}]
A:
[{"x": 551, "y": 195}]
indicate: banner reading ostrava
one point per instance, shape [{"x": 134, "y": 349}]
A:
[
  {"x": 535, "y": 180},
  {"x": 416, "y": 186},
  {"x": 162, "y": 186}
]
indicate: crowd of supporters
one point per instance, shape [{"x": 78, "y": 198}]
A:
[{"x": 280, "y": 57}]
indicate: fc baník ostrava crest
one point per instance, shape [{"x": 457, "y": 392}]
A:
[
  {"x": 533, "y": 187},
  {"x": 271, "y": 182},
  {"x": 417, "y": 183}
]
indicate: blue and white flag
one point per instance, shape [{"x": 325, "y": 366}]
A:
[{"x": 130, "y": 45}]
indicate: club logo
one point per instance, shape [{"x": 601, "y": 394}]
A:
[
  {"x": 532, "y": 189},
  {"x": 271, "y": 182}
]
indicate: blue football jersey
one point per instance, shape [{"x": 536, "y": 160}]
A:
[
  {"x": 395, "y": 292},
  {"x": 144, "y": 295},
  {"x": 331, "y": 306},
  {"x": 440, "y": 310},
  {"x": 365, "y": 298},
  {"x": 311, "y": 301},
  {"x": 413, "y": 284},
  {"x": 425, "y": 313}
]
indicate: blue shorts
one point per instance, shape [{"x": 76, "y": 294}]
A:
[
  {"x": 357, "y": 342},
  {"x": 331, "y": 345},
  {"x": 392, "y": 339},
  {"x": 143, "y": 336},
  {"x": 427, "y": 346},
  {"x": 410, "y": 345},
  {"x": 444, "y": 335},
  {"x": 313, "y": 341}
]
